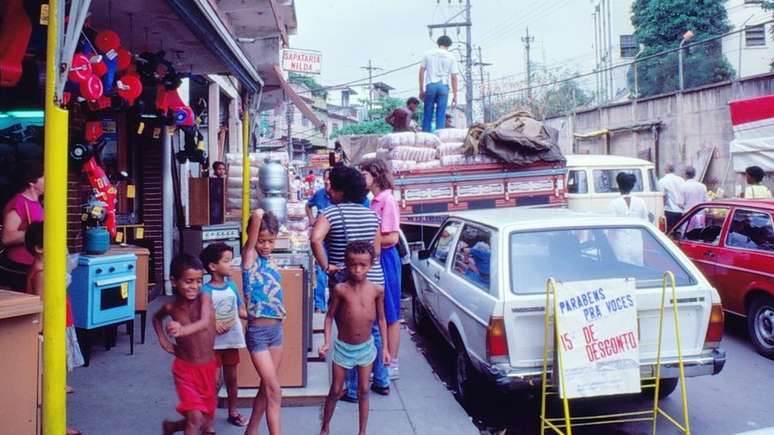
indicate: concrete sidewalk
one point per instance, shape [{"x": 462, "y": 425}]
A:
[{"x": 132, "y": 394}]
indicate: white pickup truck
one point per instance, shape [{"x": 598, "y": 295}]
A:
[{"x": 482, "y": 279}]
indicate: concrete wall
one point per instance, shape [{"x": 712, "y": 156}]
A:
[{"x": 690, "y": 125}]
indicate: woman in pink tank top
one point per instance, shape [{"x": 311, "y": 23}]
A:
[{"x": 23, "y": 209}]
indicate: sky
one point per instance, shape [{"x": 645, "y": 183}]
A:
[{"x": 393, "y": 33}]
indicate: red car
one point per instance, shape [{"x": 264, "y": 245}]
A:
[{"x": 732, "y": 242}]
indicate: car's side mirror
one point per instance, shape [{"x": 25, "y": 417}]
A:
[{"x": 424, "y": 254}]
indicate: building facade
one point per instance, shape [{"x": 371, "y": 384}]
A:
[{"x": 749, "y": 52}]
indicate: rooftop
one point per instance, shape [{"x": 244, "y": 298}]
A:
[
  {"x": 598, "y": 160},
  {"x": 516, "y": 217}
]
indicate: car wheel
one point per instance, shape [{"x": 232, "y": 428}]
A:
[
  {"x": 421, "y": 321},
  {"x": 464, "y": 376},
  {"x": 760, "y": 325},
  {"x": 666, "y": 387}
]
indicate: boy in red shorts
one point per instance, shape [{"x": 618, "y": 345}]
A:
[{"x": 193, "y": 328}]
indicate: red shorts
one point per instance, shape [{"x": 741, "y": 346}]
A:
[
  {"x": 195, "y": 385},
  {"x": 227, "y": 357}
]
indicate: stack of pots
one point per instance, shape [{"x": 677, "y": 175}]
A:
[{"x": 273, "y": 182}]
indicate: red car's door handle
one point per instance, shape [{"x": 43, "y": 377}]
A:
[{"x": 709, "y": 254}]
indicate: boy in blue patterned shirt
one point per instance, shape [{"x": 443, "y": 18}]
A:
[{"x": 265, "y": 312}]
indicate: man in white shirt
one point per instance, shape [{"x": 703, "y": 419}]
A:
[
  {"x": 692, "y": 191},
  {"x": 671, "y": 185},
  {"x": 439, "y": 69}
]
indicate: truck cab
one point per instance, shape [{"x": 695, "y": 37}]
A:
[{"x": 591, "y": 182}]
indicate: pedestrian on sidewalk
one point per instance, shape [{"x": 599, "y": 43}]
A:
[
  {"x": 379, "y": 181},
  {"x": 265, "y": 312},
  {"x": 400, "y": 118},
  {"x": 755, "y": 190},
  {"x": 439, "y": 69},
  {"x": 344, "y": 222},
  {"x": 193, "y": 328},
  {"x": 229, "y": 309},
  {"x": 316, "y": 204},
  {"x": 670, "y": 184},
  {"x": 23, "y": 209},
  {"x": 692, "y": 191},
  {"x": 356, "y": 305}
]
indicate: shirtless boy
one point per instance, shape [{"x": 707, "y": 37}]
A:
[
  {"x": 355, "y": 305},
  {"x": 193, "y": 328}
]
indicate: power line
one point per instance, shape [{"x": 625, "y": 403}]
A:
[{"x": 623, "y": 64}]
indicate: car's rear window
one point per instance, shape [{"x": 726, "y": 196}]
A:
[{"x": 590, "y": 253}]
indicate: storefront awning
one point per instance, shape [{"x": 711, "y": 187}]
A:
[
  {"x": 297, "y": 100},
  {"x": 191, "y": 33}
]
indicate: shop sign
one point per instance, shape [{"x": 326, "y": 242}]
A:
[
  {"x": 301, "y": 61},
  {"x": 598, "y": 335}
]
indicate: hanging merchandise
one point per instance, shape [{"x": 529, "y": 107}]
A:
[
  {"x": 15, "y": 32},
  {"x": 129, "y": 87}
]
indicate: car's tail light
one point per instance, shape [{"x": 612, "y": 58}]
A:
[
  {"x": 715, "y": 328},
  {"x": 496, "y": 340},
  {"x": 662, "y": 224}
]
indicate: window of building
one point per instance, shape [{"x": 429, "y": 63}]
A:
[
  {"x": 628, "y": 46},
  {"x": 751, "y": 230},
  {"x": 304, "y": 121},
  {"x": 335, "y": 128},
  {"x": 755, "y": 36}
]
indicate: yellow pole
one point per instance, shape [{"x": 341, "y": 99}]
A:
[
  {"x": 55, "y": 243},
  {"x": 245, "y": 171}
]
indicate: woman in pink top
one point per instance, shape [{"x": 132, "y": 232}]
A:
[
  {"x": 379, "y": 182},
  {"x": 23, "y": 209}
]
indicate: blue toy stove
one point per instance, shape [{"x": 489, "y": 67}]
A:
[{"x": 102, "y": 290}]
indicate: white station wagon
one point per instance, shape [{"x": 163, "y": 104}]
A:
[{"x": 482, "y": 283}]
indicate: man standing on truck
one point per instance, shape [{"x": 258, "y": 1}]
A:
[
  {"x": 439, "y": 68},
  {"x": 400, "y": 118}
]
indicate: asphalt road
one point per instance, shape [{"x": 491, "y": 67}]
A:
[{"x": 737, "y": 400}]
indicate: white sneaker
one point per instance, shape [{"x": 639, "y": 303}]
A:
[{"x": 394, "y": 371}]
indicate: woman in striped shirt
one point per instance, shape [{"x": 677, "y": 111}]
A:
[{"x": 347, "y": 220}]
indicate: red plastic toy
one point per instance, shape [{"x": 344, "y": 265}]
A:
[
  {"x": 103, "y": 191},
  {"x": 15, "y": 32}
]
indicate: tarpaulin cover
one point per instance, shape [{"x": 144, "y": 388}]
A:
[
  {"x": 515, "y": 138},
  {"x": 753, "y": 124}
]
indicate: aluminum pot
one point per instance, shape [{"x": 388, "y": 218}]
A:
[
  {"x": 276, "y": 204},
  {"x": 272, "y": 177}
]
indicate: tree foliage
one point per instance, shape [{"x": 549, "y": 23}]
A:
[
  {"x": 375, "y": 123},
  {"x": 660, "y": 24},
  {"x": 559, "y": 96},
  {"x": 317, "y": 89}
]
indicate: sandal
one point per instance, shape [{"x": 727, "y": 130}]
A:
[
  {"x": 384, "y": 391},
  {"x": 73, "y": 431},
  {"x": 237, "y": 420}
]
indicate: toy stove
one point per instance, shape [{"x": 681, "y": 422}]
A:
[
  {"x": 197, "y": 238},
  {"x": 102, "y": 290}
]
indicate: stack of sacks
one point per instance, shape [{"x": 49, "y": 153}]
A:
[
  {"x": 408, "y": 151},
  {"x": 234, "y": 180},
  {"x": 461, "y": 160}
]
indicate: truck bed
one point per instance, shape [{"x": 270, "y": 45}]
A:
[{"x": 426, "y": 196}]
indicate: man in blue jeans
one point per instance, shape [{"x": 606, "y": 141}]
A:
[{"x": 439, "y": 69}]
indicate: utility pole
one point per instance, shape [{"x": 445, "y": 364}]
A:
[
  {"x": 468, "y": 54},
  {"x": 481, "y": 66},
  {"x": 468, "y": 68},
  {"x": 610, "y": 50},
  {"x": 370, "y": 69},
  {"x": 289, "y": 119},
  {"x": 527, "y": 40}
]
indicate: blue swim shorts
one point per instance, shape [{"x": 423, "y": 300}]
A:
[{"x": 354, "y": 355}]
